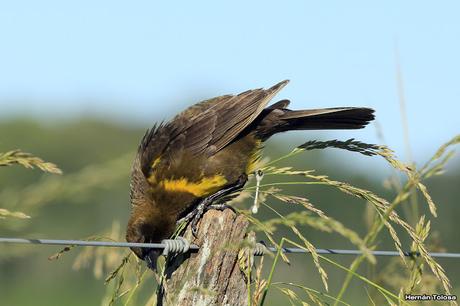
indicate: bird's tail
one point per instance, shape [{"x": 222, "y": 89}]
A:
[
  {"x": 328, "y": 118},
  {"x": 279, "y": 119}
]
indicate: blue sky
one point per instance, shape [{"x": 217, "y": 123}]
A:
[{"x": 140, "y": 61}]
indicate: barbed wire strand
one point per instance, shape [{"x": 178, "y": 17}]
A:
[{"x": 195, "y": 248}]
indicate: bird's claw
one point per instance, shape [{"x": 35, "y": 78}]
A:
[
  {"x": 194, "y": 230},
  {"x": 206, "y": 204},
  {"x": 198, "y": 213},
  {"x": 220, "y": 207}
]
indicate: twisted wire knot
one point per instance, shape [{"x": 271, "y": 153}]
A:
[
  {"x": 175, "y": 246},
  {"x": 259, "y": 249}
]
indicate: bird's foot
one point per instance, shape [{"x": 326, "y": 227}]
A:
[
  {"x": 221, "y": 207},
  {"x": 199, "y": 211},
  {"x": 207, "y": 203}
]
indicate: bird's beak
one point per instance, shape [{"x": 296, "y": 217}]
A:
[{"x": 151, "y": 257}]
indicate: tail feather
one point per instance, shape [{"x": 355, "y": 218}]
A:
[
  {"x": 278, "y": 120},
  {"x": 329, "y": 118}
]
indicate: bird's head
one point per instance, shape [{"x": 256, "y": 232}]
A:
[
  {"x": 142, "y": 229},
  {"x": 145, "y": 224}
]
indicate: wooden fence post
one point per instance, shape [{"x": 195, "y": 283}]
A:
[{"x": 212, "y": 276}]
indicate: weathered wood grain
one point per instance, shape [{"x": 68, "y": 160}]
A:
[{"x": 212, "y": 276}]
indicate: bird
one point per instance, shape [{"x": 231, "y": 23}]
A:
[{"x": 207, "y": 151}]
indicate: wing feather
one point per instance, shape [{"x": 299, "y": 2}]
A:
[{"x": 204, "y": 128}]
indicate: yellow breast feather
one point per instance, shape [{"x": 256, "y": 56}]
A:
[{"x": 205, "y": 186}]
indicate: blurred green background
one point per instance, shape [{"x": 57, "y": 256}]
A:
[{"x": 95, "y": 156}]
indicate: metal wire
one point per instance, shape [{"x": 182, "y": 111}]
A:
[
  {"x": 89, "y": 243},
  {"x": 259, "y": 249}
]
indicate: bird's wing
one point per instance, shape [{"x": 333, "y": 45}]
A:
[
  {"x": 215, "y": 123},
  {"x": 204, "y": 128}
]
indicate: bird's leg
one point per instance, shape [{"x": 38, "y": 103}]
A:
[
  {"x": 220, "y": 206},
  {"x": 206, "y": 203}
]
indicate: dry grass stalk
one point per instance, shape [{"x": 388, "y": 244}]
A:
[
  {"x": 15, "y": 214},
  {"x": 27, "y": 160}
]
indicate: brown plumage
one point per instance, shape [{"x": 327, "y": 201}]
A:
[{"x": 209, "y": 146}]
